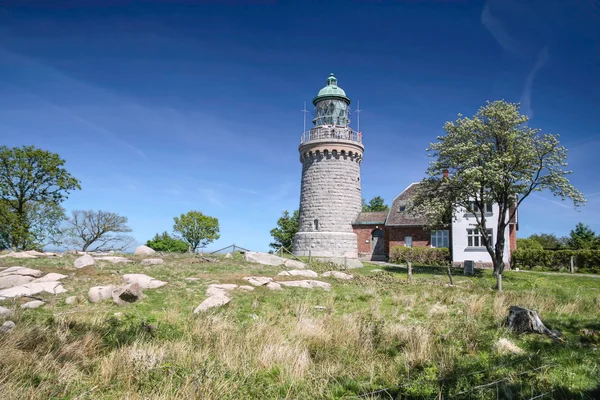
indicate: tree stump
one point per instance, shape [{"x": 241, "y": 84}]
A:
[{"x": 523, "y": 320}]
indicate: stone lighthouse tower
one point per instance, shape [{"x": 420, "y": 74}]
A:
[{"x": 330, "y": 195}]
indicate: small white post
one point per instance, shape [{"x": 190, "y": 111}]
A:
[{"x": 572, "y": 266}]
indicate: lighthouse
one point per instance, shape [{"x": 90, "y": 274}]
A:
[{"x": 330, "y": 195}]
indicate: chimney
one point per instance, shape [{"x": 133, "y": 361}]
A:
[{"x": 445, "y": 173}]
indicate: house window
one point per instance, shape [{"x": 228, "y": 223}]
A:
[
  {"x": 475, "y": 239},
  {"x": 407, "y": 241},
  {"x": 401, "y": 208},
  {"x": 316, "y": 224},
  {"x": 487, "y": 207},
  {"x": 440, "y": 238}
]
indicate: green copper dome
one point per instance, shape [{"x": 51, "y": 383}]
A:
[{"x": 332, "y": 90}]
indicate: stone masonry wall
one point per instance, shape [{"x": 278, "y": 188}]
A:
[
  {"x": 325, "y": 244},
  {"x": 330, "y": 192}
]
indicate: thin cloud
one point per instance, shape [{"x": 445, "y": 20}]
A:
[
  {"x": 558, "y": 203},
  {"x": 499, "y": 32},
  {"x": 541, "y": 60}
]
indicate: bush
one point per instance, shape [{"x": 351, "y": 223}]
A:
[
  {"x": 167, "y": 243},
  {"x": 583, "y": 260},
  {"x": 420, "y": 255}
]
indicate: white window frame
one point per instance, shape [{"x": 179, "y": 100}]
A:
[
  {"x": 442, "y": 236},
  {"x": 488, "y": 207},
  {"x": 475, "y": 238}
]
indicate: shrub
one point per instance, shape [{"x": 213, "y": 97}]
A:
[
  {"x": 583, "y": 260},
  {"x": 529, "y": 244},
  {"x": 165, "y": 242},
  {"x": 420, "y": 255}
]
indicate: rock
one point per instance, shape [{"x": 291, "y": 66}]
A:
[
  {"x": 273, "y": 286},
  {"x": 153, "y": 261},
  {"x": 308, "y": 284},
  {"x": 145, "y": 281},
  {"x": 7, "y": 327},
  {"x": 264, "y": 258},
  {"x": 5, "y": 312},
  {"x": 228, "y": 255},
  {"x": 338, "y": 275},
  {"x": 114, "y": 259},
  {"x": 258, "y": 280},
  {"x": 219, "y": 289},
  {"x": 211, "y": 302},
  {"x": 20, "y": 254},
  {"x": 34, "y": 273},
  {"x": 33, "y": 288},
  {"x": 342, "y": 262},
  {"x": 52, "y": 276},
  {"x": 143, "y": 251},
  {"x": 14, "y": 280},
  {"x": 36, "y": 253},
  {"x": 127, "y": 294},
  {"x": 84, "y": 261},
  {"x": 99, "y": 293},
  {"x": 294, "y": 264},
  {"x": 299, "y": 272},
  {"x": 118, "y": 314},
  {"x": 245, "y": 287},
  {"x": 522, "y": 320},
  {"x": 320, "y": 308},
  {"x": 71, "y": 300},
  {"x": 33, "y": 304}
]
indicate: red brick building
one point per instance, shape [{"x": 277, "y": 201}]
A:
[{"x": 378, "y": 232}]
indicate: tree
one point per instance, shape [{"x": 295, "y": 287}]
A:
[
  {"x": 496, "y": 158},
  {"x": 167, "y": 243},
  {"x": 33, "y": 184},
  {"x": 583, "y": 237},
  {"x": 375, "y": 204},
  {"x": 548, "y": 241},
  {"x": 197, "y": 229},
  {"x": 102, "y": 229},
  {"x": 528, "y": 244},
  {"x": 287, "y": 227}
]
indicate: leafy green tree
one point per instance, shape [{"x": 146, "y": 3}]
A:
[
  {"x": 528, "y": 244},
  {"x": 375, "y": 204},
  {"x": 33, "y": 184},
  {"x": 167, "y": 243},
  {"x": 583, "y": 237},
  {"x": 493, "y": 157},
  {"x": 548, "y": 241},
  {"x": 197, "y": 229},
  {"x": 283, "y": 234},
  {"x": 99, "y": 230}
]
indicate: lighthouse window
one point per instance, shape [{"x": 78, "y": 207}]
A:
[{"x": 316, "y": 224}]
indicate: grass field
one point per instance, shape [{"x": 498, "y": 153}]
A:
[{"x": 376, "y": 336}]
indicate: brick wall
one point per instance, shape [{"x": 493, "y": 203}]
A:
[
  {"x": 512, "y": 229},
  {"x": 364, "y": 238},
  {"x": 395, "y": 236}
]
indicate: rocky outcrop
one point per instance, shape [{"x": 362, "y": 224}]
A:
[
  {"x": 299, "y": 272},
  {"x": 84, "y": 261},
  {"x": 23, "y": 271},
  {"x": 272, "y": 259},
  {"x": 17, "y": 254},
  {"x": 337, "y": 275},
  {"x": 145, "y": 281},
  {"x": 307, "y": 284},
  {"x": 33, "y": 304},
  {"x": 114, "y": 259},
  {"x": 258, "y": 280},
  {"x": 32, "y": 288},
  {"x": 273, "y": 286},
  {"x": 144, "y": 251},
  {"x": 5, "y": 312},
  {"x": 153, "y": 261},
  {"x": 71, "y": 300},
  {"x": 98, "y": 293},
  {"x": 7, "y": 327},
  {"x": 212, "y": 302},
  {"x": 127, "y": 294},
  {"x": 51, "y": 277},
  {"x": 14, "y": 280}
]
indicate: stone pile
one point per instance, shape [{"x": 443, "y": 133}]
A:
[{"x": 21, "y": 281}]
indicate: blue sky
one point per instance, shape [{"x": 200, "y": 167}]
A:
[{"x": 163, "y": 107}]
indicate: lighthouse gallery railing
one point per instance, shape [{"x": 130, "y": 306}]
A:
[{"x": 331, "y": 132}]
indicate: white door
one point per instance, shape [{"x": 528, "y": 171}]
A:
[{"x": 407, "y": 241}]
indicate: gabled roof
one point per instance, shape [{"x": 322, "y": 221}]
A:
[
  {"x": 402, "y": 218},
  {"x": 371, "y": 218}
]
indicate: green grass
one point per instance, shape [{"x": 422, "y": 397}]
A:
[{"x": 375, "y": 332}]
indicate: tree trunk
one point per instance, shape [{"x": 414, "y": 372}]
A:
[
  {"x": 450, "y": 275},
  {"x": 499, "y": 282},
  {"x": 409, "y": 265},
  {"x": 522, "y": 320}
]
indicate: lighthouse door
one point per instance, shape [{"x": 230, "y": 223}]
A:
[{"x": 377, "y": 247}]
